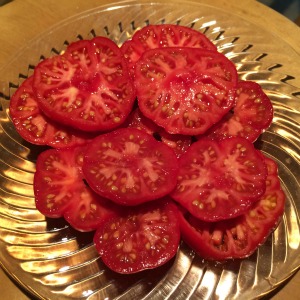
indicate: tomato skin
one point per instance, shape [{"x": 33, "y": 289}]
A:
[
  {"x": 189, "y": 89},
  {"x": 252, "y": 114},
  {"x": 241, "y": 236},
  {"x": 220, "y": 180},
  {"x": 88, "y": 87},
  {"x": 61, "y": 192},
  {"x": 34, "y": 127},
  {"x": 129, "y": 167},
  {"x": 160, "y": 36},
  {"x": 143, "y": 237}
]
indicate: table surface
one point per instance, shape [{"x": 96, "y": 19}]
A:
[{"x": 23, "y": 20}]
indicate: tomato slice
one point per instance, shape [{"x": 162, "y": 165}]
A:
[
  {"x": 60, "y": 190},
  {"x": 251, "y": 115},
  {"x": 163, "y": 35},
  {"x": 220, "y": 180},
  {"x": 144, "y": 237},
  {"x": 34, "y": 127},
  {"x": 241, "y": 236},
  {"x": 188, "y": 89},
  {"x": 178, "y": 142},
  {"x": 129, "y": 166},
  {"x": 88, "y": 87}
]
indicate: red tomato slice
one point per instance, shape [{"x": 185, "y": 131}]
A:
[
  {"x": 34, "y": 127},
  {"x": 144, "y": 237},
  {"x": 178, "y": 142},
  {"x": 238, "y": 237},
  {"x": 220, "y": 180},
  {"x": 87, "y": 88},
  {"x": 129, "y": 166},
  {"x": 251, "y": 115},
  {"x": 60, "y": 190},
  {"x": 160, "y": 36},
  {"x": 188, "y": 90}
]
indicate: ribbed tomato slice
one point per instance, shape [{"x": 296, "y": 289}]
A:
[
  {"x": 188, "y": 89},
  {"x": 220, "y": 180},
  {"x": 88, "y": 87},
  {"x": 130, "y": 166},
  {"x": 144, "y": 237}
]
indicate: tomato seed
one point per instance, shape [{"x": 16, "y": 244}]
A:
[
  {"x": 165, "y": 240},
  {"x": 132, "y": 256},
  {"x": 148, "y": 246},
  {"x": 114, "y": 188},
  {"x": 119, "y": 245},
  {"x": 240, "y": 233}
]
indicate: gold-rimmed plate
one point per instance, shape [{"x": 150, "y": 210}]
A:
[{"x": 51, "y": 260}]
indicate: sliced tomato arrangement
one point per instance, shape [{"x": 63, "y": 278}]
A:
[
  {"x": 34, "y": 127},
  {"x": 88, "y": 87},
  {"x": 143, "y": 131},
  {"x": 144, "y": 237},
  {"x": 160, "y": 36},
  {"x": 251, "y": 115},
  {"x": 220, "y": 180},
  {"x": 188, "y": 90},
  {"x": 238, "y": 237},
  {"x": 61, "y": 192},
  {"x": 129, "y": 167}
]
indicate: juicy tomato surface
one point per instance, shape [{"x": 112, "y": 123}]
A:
[
  {"x": 88, "y": 87},
  {"x": 144, "y": 237},
  {"x": 220, "y": 180},
  {"x": 128, "y": 166},
  {"x": 188, "y": 89},
  {"x": 178, "y": 142},
  {"x": 34, "y": 127},
  {"x": 251, "y": 115},
  {"x": 163, "y": 35},
  {"x": 241, "y": 236},
  {"x": 61, "y": 192}
]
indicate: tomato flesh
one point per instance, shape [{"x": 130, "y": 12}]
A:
[
  {"x": 145, "y": 237},
  {"x": 34, "y": 127},
  {"x": 87, "y": 87},
  {"x": 61, "y": 192},
  {"x": 241, "y": 236},
  {"x": 178, "y": 142},
  {"x": 128, "y": 166},
  {"x": 160, "y": 36},
  {"x": 251, "y": 115},
  {"x": 220, "y": 180},
  {"x": 188, "y": 90}
]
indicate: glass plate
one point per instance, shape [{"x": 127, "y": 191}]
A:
[{"x": 51, "y": 260}]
